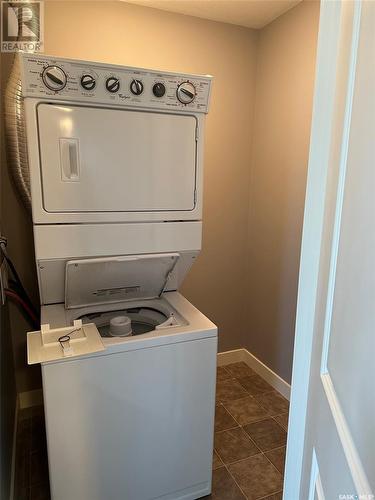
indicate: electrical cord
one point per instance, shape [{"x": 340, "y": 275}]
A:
[
  {"x": 13, "y": 285},
  {"x": 29, "y": 312},
  {"x": 22, "y": 292}
]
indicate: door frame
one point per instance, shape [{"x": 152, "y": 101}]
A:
[{"x": 323, "y": 134}]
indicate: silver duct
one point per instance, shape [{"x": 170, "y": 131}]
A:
[{"x": 15, "y": 133}]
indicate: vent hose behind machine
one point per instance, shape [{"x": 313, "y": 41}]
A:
[{"x": 15, "y": 134}]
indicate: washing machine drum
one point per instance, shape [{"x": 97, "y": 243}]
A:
[{"x": 124, "y": 322}]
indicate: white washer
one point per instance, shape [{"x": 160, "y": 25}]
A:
[
  {"x": 115, "y": 158},
  {"x": 135, "y": 422}
]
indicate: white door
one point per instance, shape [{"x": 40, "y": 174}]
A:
[
  {"x": 98, "y": 160},
  {"x": 331, "y": 444}
]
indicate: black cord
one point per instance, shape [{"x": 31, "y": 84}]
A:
[
  {"x": 66, "y": 337},
  {"x": 13, "y": 285},
  {"x": 24, "y": 307},
  {"x": 21, "y": 290}
]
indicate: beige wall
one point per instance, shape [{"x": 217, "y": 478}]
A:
[
  {"x": 116, "y": 32},
  {"x": 283, "y": 104},
  {"x": 245, "y": 278}
]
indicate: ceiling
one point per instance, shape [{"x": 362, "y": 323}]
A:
[{"x": 248, "y": 13}]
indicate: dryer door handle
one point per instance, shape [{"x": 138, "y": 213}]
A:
[{"x": 69, "y": 159}]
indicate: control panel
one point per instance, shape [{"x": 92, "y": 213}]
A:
[{"x": 67, "y": 79}]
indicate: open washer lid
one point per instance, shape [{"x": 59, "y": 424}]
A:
[{"x": 115, "y": 279}]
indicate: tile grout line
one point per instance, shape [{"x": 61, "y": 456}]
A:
[
  {"x": 231, "y": 414},
  {"x": 274, "y": 466},
  {"x": 242, "y": 460},
  {"x": 235, "y": 482},
  {"x": 281, "y": 425},
  {"x": 267, "y": 496},
  {"x": 260, "y": 452},
  {"x": 246, "y": 458},
  {"x": 276, "y": 448},
  {"x": 229, "y": 429},
  {"x": 267, "y": 416}
]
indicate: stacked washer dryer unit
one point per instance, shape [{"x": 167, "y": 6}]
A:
[{"x": 115, "y": 158}]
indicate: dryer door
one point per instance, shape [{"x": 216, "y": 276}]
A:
[{"x": 106, "y": 160}]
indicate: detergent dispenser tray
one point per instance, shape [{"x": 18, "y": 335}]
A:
[{"x": 53, "y": 344}]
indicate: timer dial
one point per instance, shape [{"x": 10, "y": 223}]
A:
[
  {"x": 158, "y": 89},
  {"x": 88, "y": 82},
  {"x": 186, "y": 92},
  {"x": 54, "y": 78},
  {"x": 112, "y": 84},
  {"x": 136, "y": 87}
]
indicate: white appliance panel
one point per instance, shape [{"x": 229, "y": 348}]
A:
[
  {"x": 114, "y": 279},
  {"x": 138, "y": 422},
  {"x": 98, "y": 160},
  {"x": 33, "y": 85}
]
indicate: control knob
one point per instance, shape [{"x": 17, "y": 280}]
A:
[
  {"x": 158, "y": 89},
  {"x": 112, "y": 84},
  {"x": 54, "y": 78},
  {"x": 186, "y": 92},
  {"x": 88, "y": 82},
  {"x": 136, "y": 87}
]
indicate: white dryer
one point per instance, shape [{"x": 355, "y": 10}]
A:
[{"x": 115, "y": 159}]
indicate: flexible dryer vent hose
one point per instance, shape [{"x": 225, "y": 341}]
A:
[{"x": 15, "y": 134}]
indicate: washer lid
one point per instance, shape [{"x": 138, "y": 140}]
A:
[{"x": 115, "y": 279}]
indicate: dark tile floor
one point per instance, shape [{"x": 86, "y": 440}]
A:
[
  {"x": 251, "y": 423},
  {"x": 31, "y": 469},
  {"x": 250, "y": 437}
]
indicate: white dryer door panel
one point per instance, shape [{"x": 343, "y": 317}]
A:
[{"x": 99, "y": 160}]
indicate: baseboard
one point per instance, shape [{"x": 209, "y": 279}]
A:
[
  {"x": 225, "y": 358},
  {"x": 14, "y": 444},
  {"x": 30, "y": 398}
]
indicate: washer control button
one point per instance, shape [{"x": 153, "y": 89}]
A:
[
  {"x": 112, "y": 84},
  {"x": 186, "y": 92},
  {"x": 158, "y": 89},
  {"x": 136, "y": 87},
  {"x": 54, "y": 78},
  {"x": 88, "y": 82}
]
